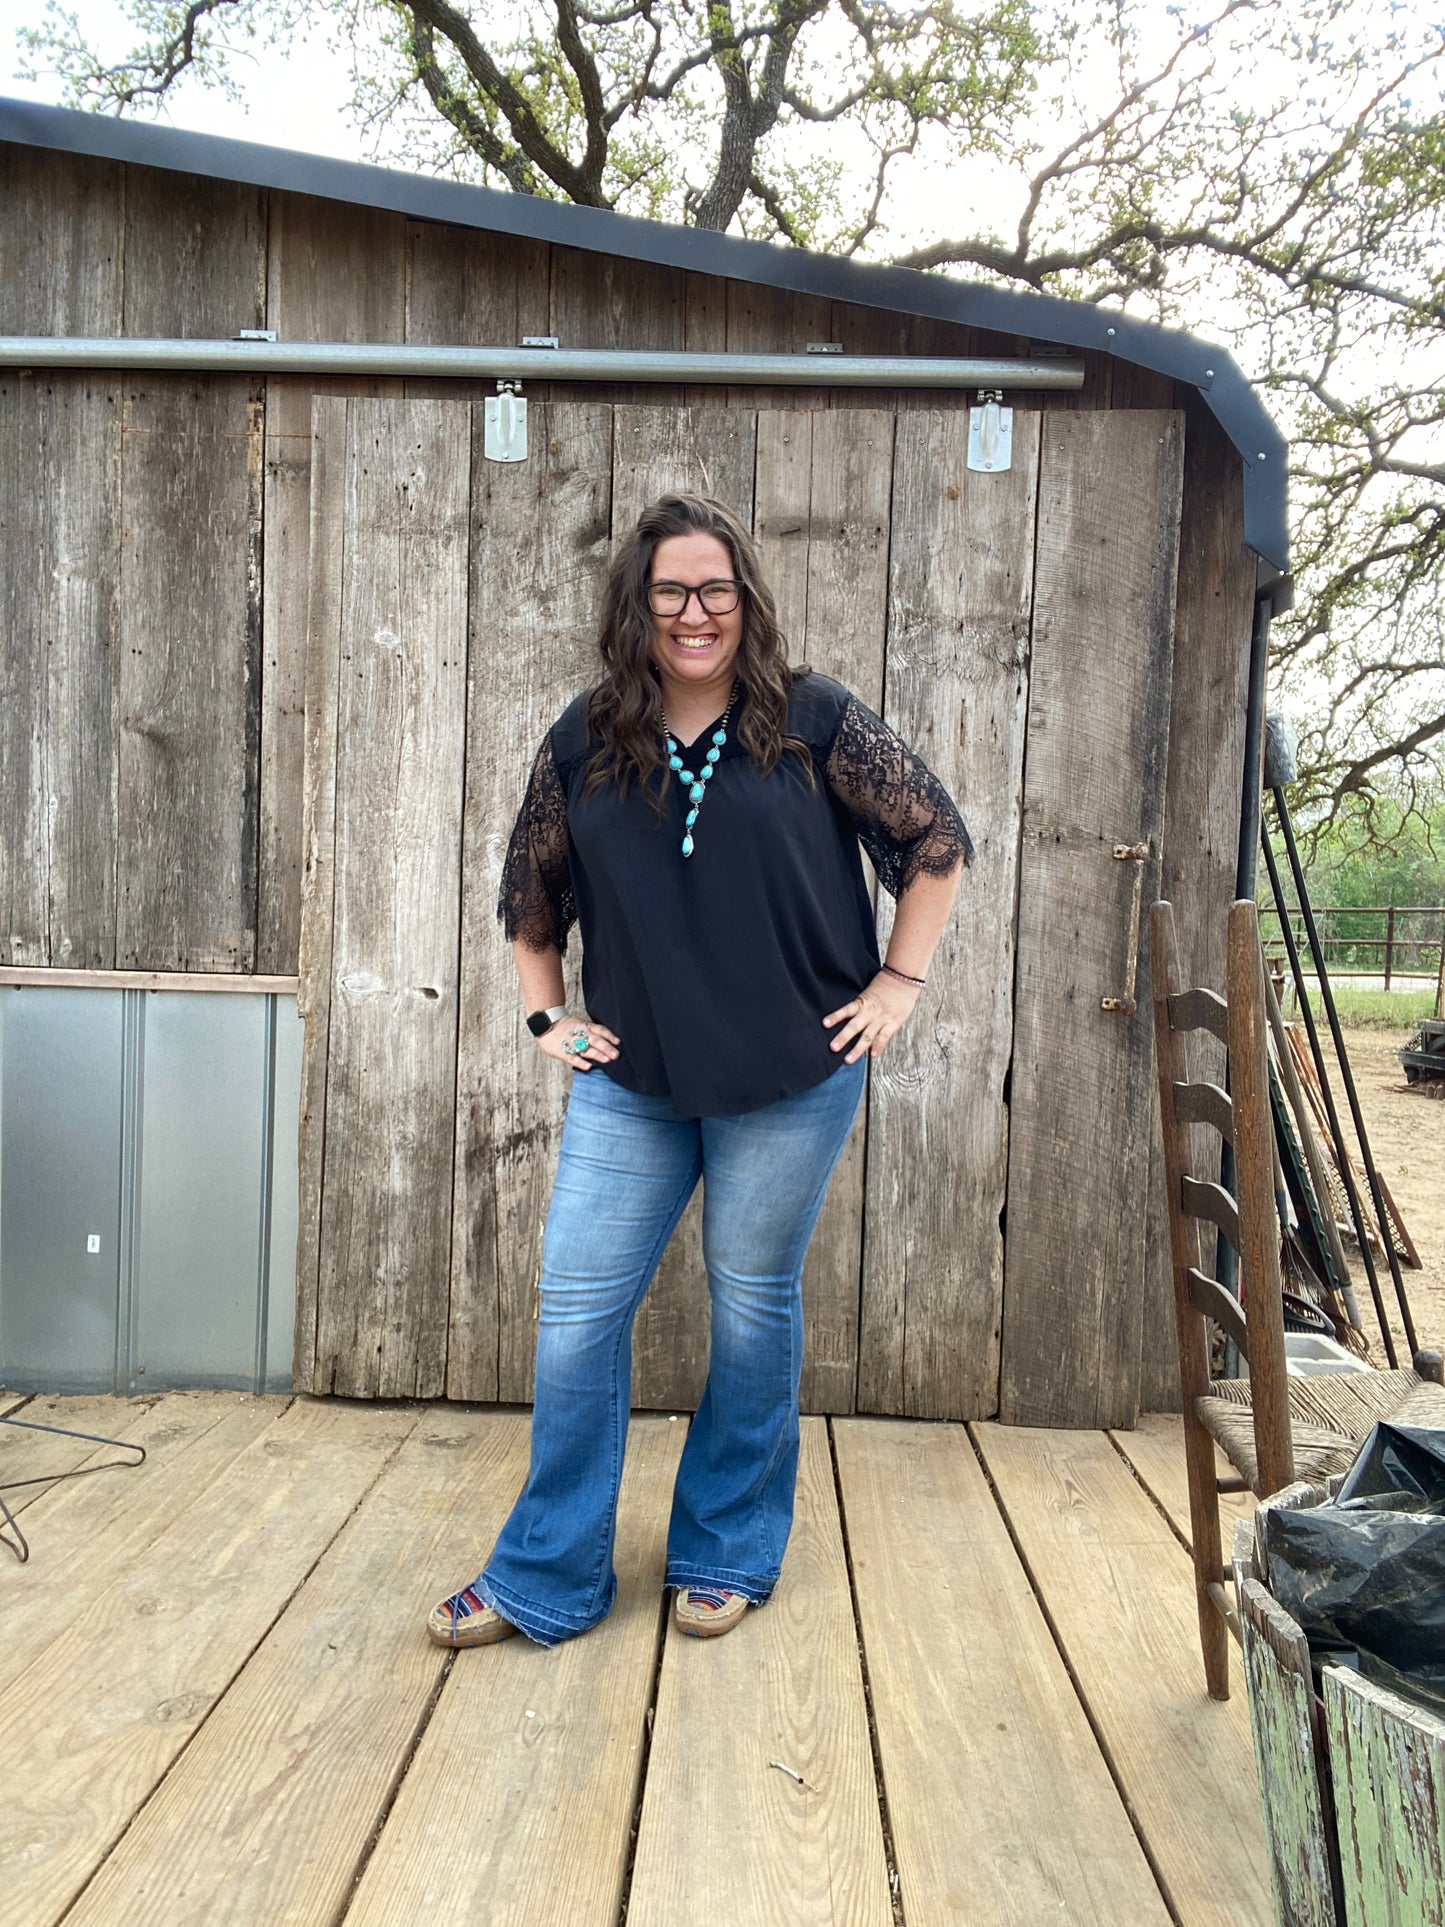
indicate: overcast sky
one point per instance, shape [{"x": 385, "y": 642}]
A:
[{"x": 297, "y": 102}]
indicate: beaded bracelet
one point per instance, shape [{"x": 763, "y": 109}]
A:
[{"x": 903, "y": 977}]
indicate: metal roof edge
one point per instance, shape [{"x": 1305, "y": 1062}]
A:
[{"x": 1074, "y": 324}]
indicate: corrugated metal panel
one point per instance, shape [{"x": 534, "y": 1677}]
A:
[
  {"x": 60, "y": 1128},
  {"x": 165, "y": 1124}
]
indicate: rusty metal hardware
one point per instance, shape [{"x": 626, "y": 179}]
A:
[{"x": 1138, "y": 855}]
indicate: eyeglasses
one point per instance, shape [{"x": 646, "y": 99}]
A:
[{"x": 718, "y": 598}]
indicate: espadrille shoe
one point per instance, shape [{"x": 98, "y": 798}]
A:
[
  {"x": 707, "y": 1612},
  {"x": 467, "y": 1620}
]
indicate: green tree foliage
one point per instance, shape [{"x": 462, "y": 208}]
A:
[
  {"x": 1270, "y": 172},
  {"x": 1399, "y": 860},
  {"x": 1394, "y": 854}
]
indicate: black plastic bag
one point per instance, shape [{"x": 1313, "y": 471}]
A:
[{"x": 1364, "y": 1573}]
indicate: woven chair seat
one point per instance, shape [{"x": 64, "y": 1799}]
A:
[{"x": 1329, "y": 1416}]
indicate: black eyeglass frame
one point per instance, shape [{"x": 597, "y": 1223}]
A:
[{"x": 735, "y": 583}]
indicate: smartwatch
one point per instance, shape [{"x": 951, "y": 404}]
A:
[{"x": 539, "y": 1022}]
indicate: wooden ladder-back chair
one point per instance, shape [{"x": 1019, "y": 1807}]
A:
[{"x": 1272, "y": 1427}]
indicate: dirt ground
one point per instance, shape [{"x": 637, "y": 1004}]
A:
[{"x": 1407, "y": 1136}]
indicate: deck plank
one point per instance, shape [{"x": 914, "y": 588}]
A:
[
  {"x": 516, "y": 1806},
  {"x": 1119, "y": 1590},
  {"x": 89, "y": 1728},
  {"x": 724, "y": 1836},
  {"x": 104, "y": 1526},
  {"x": 268, "y": 1815},
  {"x": 1155, "y": 1449},
  {"x": 976, "y": 1716}
]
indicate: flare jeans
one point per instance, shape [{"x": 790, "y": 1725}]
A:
[{"x": 628, "y": 1165}]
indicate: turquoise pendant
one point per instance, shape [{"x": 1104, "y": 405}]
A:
[{"x": 696, "y": 786}]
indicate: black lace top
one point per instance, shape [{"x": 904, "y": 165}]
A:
[{"x": 716, "y": 970}]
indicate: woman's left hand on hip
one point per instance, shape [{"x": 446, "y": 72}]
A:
[{"x": 872, "y": 1017}]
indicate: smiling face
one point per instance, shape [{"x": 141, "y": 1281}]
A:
[{"x": 695, "y": 652}]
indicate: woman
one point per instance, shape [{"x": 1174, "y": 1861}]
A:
[{"x": 699, "y": 814}]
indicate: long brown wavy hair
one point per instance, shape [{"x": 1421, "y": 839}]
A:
[{"x": 626, "y": 706}]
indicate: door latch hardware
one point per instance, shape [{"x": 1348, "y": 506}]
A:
[
  {"x": 504, "y": 438},
  {"x": 1138, "y": 855},
  {"x": 990, "y": 432}
]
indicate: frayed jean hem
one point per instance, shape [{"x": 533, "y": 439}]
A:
[
  {"x": 755, "y": 1589},
  {"x": 542, "y": 1628}
]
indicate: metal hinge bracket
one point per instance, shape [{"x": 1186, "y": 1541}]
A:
[
  {"x": 504, "y": 437},
  {"x": 990, "y": 432}
]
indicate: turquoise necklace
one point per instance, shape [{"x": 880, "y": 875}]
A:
[{"x": 697, "y": 785}]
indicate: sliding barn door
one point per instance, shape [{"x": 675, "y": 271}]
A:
[
  {"x": 1079, "y": 1198},
  {"x": 986, "y": 1221}
]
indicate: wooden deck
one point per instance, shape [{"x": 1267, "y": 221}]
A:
[{"x": 217, "y": 1703}]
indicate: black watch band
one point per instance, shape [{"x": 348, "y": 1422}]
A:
[{"x": 539, "y": 1022}]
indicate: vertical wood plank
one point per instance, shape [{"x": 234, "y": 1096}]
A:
[
  {"x": 59, "y": 569},
  {"x": 1298, "y": 1818},
  {"x": 1081, "y": 1081},
  {"x": 333, "y": 273},
  {"x": 1209, "y": 697},
  {"x": 60, "y": 240},
  {"x": 465, "y": 287},
  {"x": 868, "y": 331},
  {"x": 401, "y": 735},
  {"x": 823, "y": 498},
  {"x": 705, "y": 329},
  {"x": 195, "y": 255},
  {"x": 326, "y": 563},
  {"x": 609, "y": 301},
  {"x": 961, "y": 596},
  {"x": 281, "y": 776},
  {"x": 775, "y": 321},
  {"x": 1387, "y": 1759},
  {"x": 189, "y": 678},
  {"x": 539, "y": 550},
  {"x": 711, "y": 451}
]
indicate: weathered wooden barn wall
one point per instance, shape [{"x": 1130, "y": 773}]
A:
[{"x": 155, "y": 657}]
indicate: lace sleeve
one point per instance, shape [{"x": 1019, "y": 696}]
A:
[
  {"x": 906, "y": 820},
  {"x": 536, "y": 903}
]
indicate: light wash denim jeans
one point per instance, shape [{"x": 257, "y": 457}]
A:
[{"x": 628, "y": 1165}]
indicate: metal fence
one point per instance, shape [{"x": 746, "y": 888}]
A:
[{"x": 1399, "y": 942}]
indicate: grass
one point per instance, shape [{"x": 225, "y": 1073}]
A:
[{"x": 1394, "y": 1010}]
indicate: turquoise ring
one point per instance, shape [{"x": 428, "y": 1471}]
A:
[{"x": 578, "y": 1044}]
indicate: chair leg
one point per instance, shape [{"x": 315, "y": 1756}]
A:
[
  {"x": 10, "y": 1533},
  {"x": 1208, "y": 1553}
]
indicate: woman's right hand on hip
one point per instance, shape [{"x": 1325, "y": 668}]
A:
[{"x": 565, "y": 1042}]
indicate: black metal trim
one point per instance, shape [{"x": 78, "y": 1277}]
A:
[{"x": 1075, "y": 324}]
